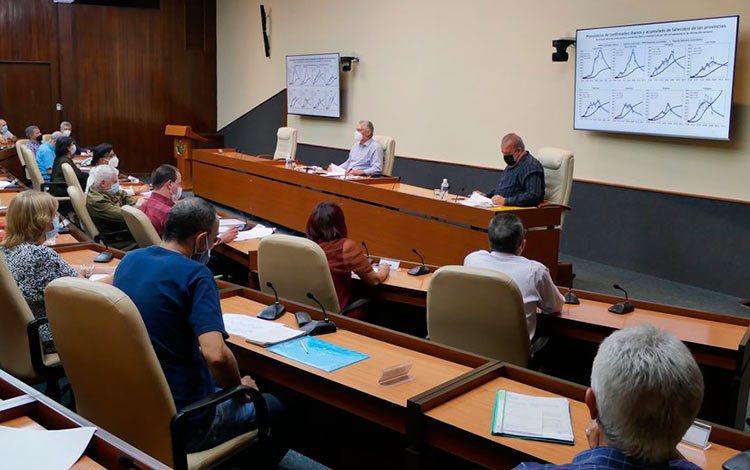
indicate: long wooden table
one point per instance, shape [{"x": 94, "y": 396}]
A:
[
  {"x": 24, "y": 406},
  {"x": 457, "y": 418},
  {"x": 392, "y": 218}
]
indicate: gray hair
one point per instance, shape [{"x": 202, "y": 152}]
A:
[
  {"x": 505, "y": 233},
  {"x": 66, "y": 123},
  {"x": 648, "y": 390},
  {"x": 56, "y": 135},
  {"x": 515, "y": 140},
  {"x": 102, "y": 173},
  {"x": 187, "y": 218},
  {"x": 30, "y": 130},
  {"x": 369, "y": 126}
]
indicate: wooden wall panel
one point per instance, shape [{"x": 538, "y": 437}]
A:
[{"x": 123, "y": 72}]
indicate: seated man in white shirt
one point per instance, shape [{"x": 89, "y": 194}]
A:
[
  {"x": 507, "y": 242},
  {"x": 366, "y": 157}
]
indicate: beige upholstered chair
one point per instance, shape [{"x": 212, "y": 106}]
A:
[
  {"x": 480, "y": 311},
  {"x": 78, "y": 199},
  {"x": 21, "y": 350},
  {"x": 70, "y": 176},
  {"x": 388, "y": 144},
  {"x": 140, "y": 226},
  {"x": 22, "y": 143},
  {"x": 296, "y": 266},
  {"x": 558, "y": 174},
  {"x": 46, "y": 137},
  {"x": 286, "y": 143},
  {"x": 32, "y": 169},
  {"x": 116, "y": 377}
]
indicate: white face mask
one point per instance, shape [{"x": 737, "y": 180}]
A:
[
  {"x": 66, "y": 133},
  {"x": 358, "y": 136},
  {"x": 176, "y": 196},
  {"x": 114, "y": 161},
  {"x": 73, "y": 150}
]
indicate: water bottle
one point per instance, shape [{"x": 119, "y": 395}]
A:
[
  {"x": 444, "y": 187},
  {"x": 289, "y": 162}
]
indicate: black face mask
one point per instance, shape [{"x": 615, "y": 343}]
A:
[
  {"x": 39, "y": 138},
  {"x": 509, "y": 160}
]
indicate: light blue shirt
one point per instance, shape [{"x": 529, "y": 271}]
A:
[
  {"x": 367, "y": 157},
  {"x": 45, "y": 158}
]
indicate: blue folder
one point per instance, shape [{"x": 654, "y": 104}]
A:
[{"x": 320, "y": 354}]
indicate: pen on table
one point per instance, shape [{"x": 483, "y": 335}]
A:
[{"x": 304, "y": 346}]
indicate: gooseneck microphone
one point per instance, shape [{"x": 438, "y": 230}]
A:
[
  {"x": 369, "y": 258},
  {"x": 457, "y": 195},
  {"x": 272, "y": 312},
  {"x": 319, "y": 327},
  {"x": 621, "y": 307},
  {"x": 419, "y": 270}
]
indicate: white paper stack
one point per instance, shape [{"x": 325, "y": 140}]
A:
[
  {"x": 259, "y": 231},
  {"x": 477, "y": 200},
  {"x": 261, "y": 332},
  {"x": 531, "y": 417},
  {"x": 5, "y": 183},
  {"x": 335, "y": 171}
]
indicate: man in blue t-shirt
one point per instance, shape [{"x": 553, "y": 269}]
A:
[{"x": 178, "y": 299}]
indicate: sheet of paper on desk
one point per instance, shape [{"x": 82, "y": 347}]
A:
[
  {"x": 532, "y": 417},
  {"x": 98, "y": 277},
  {"x": 31, "y": 449},
  {"x": 259, "y": 231},
  {"x": 335, "y": 171},
  {"x": 393, "y": 263},
  {"x": 477, "y": 200},
  {"x": 257, "y": 331},
  {"x": 319, "y": 354},
  {"x": 226, "y": 223},
  {"x": 5, "y": 183}
]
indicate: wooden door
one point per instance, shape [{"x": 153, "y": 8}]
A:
[{"x": 26, "y": 96}]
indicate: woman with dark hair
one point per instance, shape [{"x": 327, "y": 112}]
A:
[
  {"x": 327, "y": 227},
  {"x": 64, "y": 151}
]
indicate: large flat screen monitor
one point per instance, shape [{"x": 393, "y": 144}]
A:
[
  {"x": 671, "y": 79},
  {"x": 312, "y": 85}
]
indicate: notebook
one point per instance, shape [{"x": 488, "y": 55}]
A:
[
  {"x": 261, "y": 332},
  {"x": 530, "y": 417},
  {"x": 317, "y": 353}
]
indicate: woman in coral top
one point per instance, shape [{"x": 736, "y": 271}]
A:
[{"x": 327, "y": 227}]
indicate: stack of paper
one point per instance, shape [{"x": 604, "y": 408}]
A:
[
  {"x": 477, "y": 200},
  {"x": 259, "y": 231},
  {"x": 335, "y": 171},
  {"x": 5, "y": 183},
  {"x": 226, "y": 224},
  {"x": 261, "y": 332},
  {"x": 31, "y": 449},
  {"x": 530, "y": 417}
]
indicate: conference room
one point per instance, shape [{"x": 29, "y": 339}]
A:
[{"x": 332, "y": 235}]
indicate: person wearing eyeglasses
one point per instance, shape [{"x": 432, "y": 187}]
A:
[
  {"x": 522, "y": 183},
  {"x": 506, "y": 234}
]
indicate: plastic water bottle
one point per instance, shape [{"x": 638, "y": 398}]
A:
[
  {"x": 289, "y": 161},
  {"x": 444, "y": 187}
]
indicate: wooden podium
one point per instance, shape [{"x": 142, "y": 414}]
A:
[{"x": 184, "y": 139}]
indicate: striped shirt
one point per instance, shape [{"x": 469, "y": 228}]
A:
[
  {"x": 522, "y": 184},
  {"x": 607, "y": 458}
]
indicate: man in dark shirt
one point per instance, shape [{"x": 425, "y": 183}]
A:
[
  {"x": 178, "y": 299},
  {"x": 522, "y": 183}
]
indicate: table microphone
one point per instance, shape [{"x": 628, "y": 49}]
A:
[
  {"x": 457, "y": 195},
  {"x": 272, "y": 312},
  {"x": 419, "y": 270},
  {"x": 369, "y": 258},
  {"x": 621, "y": 307},
  {"x": 570, "y": 297},
  {"x": 319, "y": 327}
]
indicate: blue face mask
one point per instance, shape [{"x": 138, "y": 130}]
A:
[
  {"x": 202, "y": 256},
  {"x": 55, "y": 228},
  {"x": 4, "y": 129},
  {"x": 115, "y": 187}
]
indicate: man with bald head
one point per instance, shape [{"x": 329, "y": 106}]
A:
[{"x": 522, "y": 183}]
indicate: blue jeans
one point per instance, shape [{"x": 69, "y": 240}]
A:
[{"x": 233, "y": 418}]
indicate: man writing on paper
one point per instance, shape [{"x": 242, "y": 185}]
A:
[
  {"x": 646, "y": 389},
  {"x": 522, "y": 183},
  {"x": 507, "y": 242},
  {"x": 366, "y": 157}
]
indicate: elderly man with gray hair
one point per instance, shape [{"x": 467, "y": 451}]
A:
[
  {"x": 646, "y": 389},
  {"x": 366, "y": 157},
  {"x": 104, "y": 201}
]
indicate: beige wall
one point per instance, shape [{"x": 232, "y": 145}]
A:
[{"x": 448, "y": 79}]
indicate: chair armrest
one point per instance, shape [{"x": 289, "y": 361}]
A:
[
  {"x": 107, "y": 235},
  {"x": 179, "y": 426},
  {"x": 35, "y": 347},
  {"x": 270, "y": 157},
  {"x": 49, "y": 184},
  {"x": 537, "y": 345},
  {"x": 354, "y": 305}
]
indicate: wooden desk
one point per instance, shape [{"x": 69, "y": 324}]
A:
[
  {"x": 28, "y": 408},
  {"x": 7, "y": 195},
  {"x": 457, "y": 418},
  {"x": 391, "y": 222},
  {"x": 84, "y": 254}
]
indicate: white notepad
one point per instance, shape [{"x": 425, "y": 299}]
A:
[
  {"x": 261, "y": 332},
  {"x": 530, "y": 417},
  {"x": 31, "y": 449}
]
